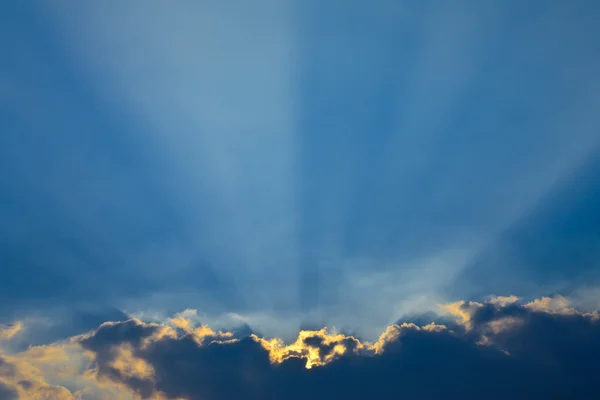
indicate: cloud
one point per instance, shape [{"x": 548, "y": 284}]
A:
[
  {"x": 500, "y": 348},
  {"x": 317, "y": 347},
  {"x": 7, "y": 393},
  {"x": 20, "y": 379},
  {"x": 57, "y": 371},
  {"x": 7, "y": 332}
]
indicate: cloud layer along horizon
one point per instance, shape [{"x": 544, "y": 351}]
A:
[{"x": 496, "y": 349}]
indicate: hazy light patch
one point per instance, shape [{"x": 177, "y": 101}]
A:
[
  {"x": 378, "y": 296},
  {"x": 8, "y": 332},
  {"x": 369, "y": 295},
  {"x": 587, "y": 298}
]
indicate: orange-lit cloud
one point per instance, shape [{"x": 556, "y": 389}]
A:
[
  {"x": 463, "y": 311},
  {"x": 7, "y": 332},
  {"x": 316, "y": 347}
]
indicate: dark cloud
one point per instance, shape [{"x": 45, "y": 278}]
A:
[
  {"x": 563, "y": 345},
  {"x": 110, "y": 334},
  {"x": 325, "y": 349},
  {"x": 504, "y": 351},
  {"x": 7, "y": 393},
  {"x": 6, "y": 369},
  {"x": 26, "y": 384},
  {"x": 104, "y": 343}
]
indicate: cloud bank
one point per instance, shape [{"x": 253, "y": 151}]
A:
[{"x": 498, "y": 348}]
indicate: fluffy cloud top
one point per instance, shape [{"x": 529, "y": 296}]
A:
[{"x": 499, "y": 348}]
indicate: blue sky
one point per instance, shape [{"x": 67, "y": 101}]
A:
[
  {"x": 291, "y": 163},
  {"x": 281, "y": 166}
]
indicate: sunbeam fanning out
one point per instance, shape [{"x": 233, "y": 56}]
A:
[
  {"x": 299, "y": 177},
  {"x": 223, "y": 131}
]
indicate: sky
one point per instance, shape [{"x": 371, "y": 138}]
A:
[{"x": 218, "y": 182}]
